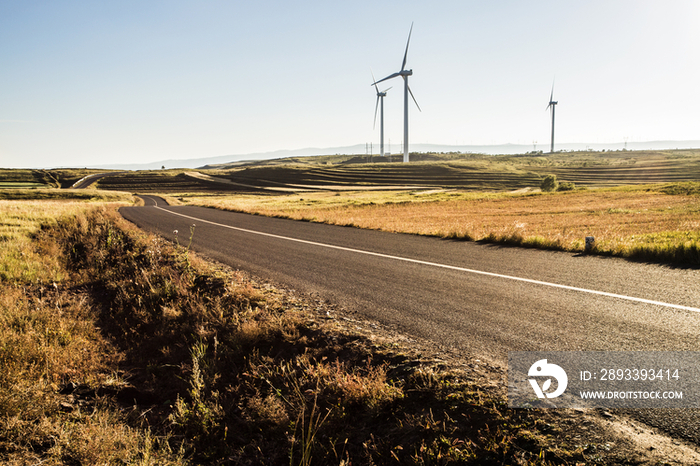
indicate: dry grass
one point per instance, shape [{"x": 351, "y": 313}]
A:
[
  {"x": 23, "y": 212},
  {"x": 126, "y": 349},
  {"x": 49, "y": 337},
  {"x": 642, "y": 222}
]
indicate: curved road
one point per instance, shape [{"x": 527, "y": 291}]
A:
[
  {"x": 483, "y": 299},
  {"x": 87, "y": 181}
]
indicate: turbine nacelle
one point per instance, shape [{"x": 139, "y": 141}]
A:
[
  {"x": 402, "y": 73},
  {"x": 383, "y": 93},
  {"x": 552, "y": 103}
]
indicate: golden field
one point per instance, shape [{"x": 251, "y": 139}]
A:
[{"x": 654, "y": 222}]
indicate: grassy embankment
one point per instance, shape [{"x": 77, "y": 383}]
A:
[
  {"x": 50, "y": 336},
  {"x": 119, "y": 348},
  {"x": 658, "y": 223}
]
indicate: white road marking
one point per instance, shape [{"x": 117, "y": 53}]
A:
[{"x": 444, "y": 266}]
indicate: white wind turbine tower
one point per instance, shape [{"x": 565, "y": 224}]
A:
[
  {"x": 553, "y": 105},
  {"x": 380, "y": 105},
  {"x": 404, "y": 73}
]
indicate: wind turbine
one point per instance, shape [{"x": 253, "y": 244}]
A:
[
  {"x": 380, "y": 98},
  {"x": 553, "y": 105},
  {"x": 404, "y": 73}
]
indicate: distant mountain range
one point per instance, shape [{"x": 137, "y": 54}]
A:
[{"x": 358, "y": 149}]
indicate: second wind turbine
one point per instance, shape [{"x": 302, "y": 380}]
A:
[
  {"x": 380, "y": 103},
  {"x": 553, "y": 105},
  {"x": 404, "y": 73}
]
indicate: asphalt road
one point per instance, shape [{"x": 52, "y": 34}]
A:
[
  {"x": 483, "y": 299},
  {"x": 88, "y": 181}
]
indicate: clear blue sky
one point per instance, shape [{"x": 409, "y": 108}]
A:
[{"x": 89, "y": 82}]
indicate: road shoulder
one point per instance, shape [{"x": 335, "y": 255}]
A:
[{"x": 597, "y": 435}]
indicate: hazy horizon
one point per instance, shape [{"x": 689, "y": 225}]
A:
[{"x": 359, "y": 149}]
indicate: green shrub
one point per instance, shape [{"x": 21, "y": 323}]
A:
[
  {"x": 549, "y": 183},
  {"x": 566, "y": 186}
]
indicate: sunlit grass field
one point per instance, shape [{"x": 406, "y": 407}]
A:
[
  {"x": 652, "y": 222},
  {"x": 22, "y": 212}
]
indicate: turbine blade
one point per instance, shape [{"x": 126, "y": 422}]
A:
[
  {"x": 405, "y": 55},
  {"x": 376, "y": 107},
  {"x": 387, "y": 78},
  {"x": 551, "y": 96},
  {"x": 414, "y": 99},
  {"x": 375, "y": 81}
]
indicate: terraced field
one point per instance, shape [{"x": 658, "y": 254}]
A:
[
  {"x": 455, "y": 175},
  {"x": 163, "y": 182},
  {"x": 643, "y": 170},
  {"x": 477, "y": 172},
  {"x": 466, "y": 172}
]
